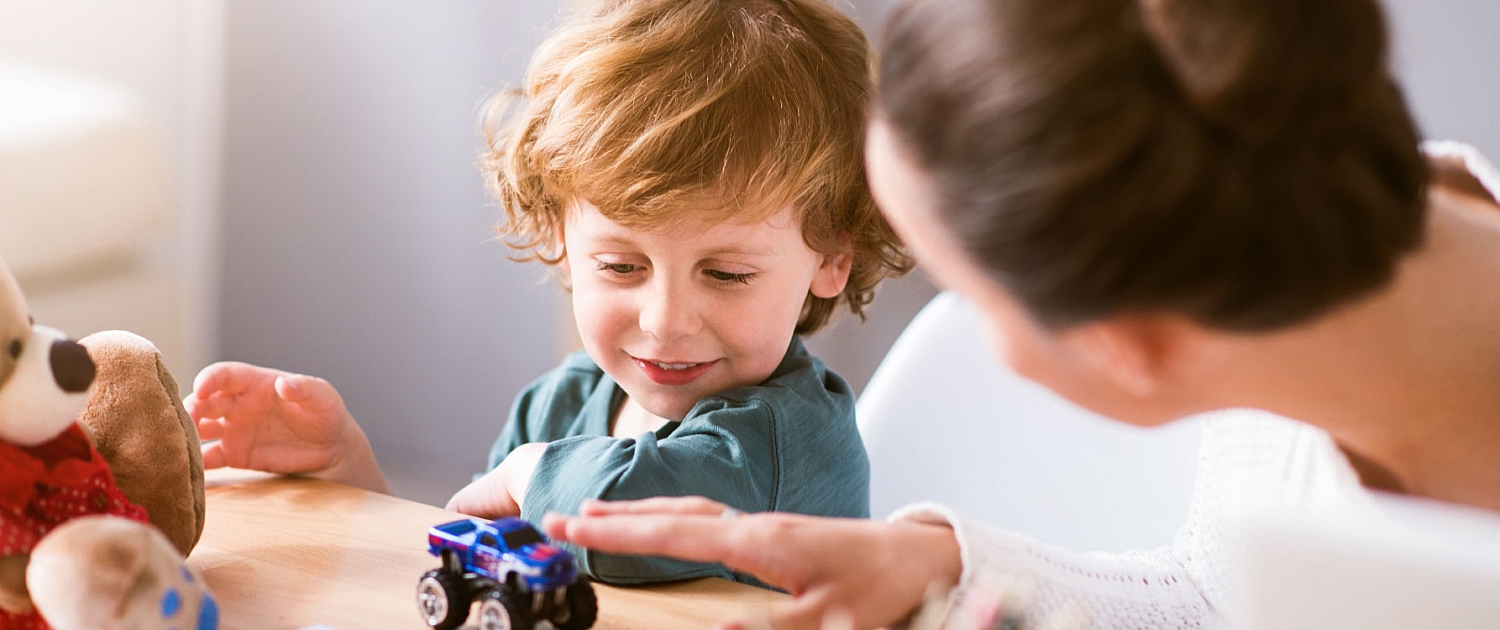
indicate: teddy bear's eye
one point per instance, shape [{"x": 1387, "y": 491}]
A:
[{"x": 14, "y": 348}]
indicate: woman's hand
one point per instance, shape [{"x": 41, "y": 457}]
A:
[
  {"x": 872, "y": 572},
  {"x": 279, "y": 422}
]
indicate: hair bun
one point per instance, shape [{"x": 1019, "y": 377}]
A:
[{"x": 1262, "y": 69}]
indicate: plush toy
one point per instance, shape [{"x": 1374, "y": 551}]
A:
[{"x": 96, "y": 509}]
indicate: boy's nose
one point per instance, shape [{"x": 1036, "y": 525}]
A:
[{"x": 667, "y": 314}]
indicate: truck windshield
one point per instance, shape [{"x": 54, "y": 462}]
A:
[{"x": 521, "y": 537}]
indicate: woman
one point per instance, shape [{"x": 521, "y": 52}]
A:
[{"x": 1161, "y": 208}]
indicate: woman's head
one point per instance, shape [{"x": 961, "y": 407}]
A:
[
  {"x": 664, "y": 113},
  {"x": 1248, "y": 164},
  {"x": 1234, "y": 165}
]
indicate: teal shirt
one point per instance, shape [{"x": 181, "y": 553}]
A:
[{"x": 789, "y": 444}]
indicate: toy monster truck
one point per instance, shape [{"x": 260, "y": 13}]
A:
[{"x": 518, "y": 578}]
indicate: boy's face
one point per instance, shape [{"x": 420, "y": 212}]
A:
[{"x": 677, "y": 314}]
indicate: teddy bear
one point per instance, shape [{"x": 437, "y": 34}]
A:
[{"x": 101, "y": 483}]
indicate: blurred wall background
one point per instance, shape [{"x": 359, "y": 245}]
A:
[
  {"x": 160, "y": 64},
  {"x": 331, "y": 220},
  {"x": 357, "y": 235}
]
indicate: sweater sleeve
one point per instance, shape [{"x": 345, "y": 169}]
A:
[
  {"x": 1134, "y": 589},
  {"x": 1249, "y": 461},
  {"x": 727, "y": 456}
]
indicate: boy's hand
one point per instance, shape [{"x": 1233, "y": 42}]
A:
[
  {"x": 279, "y": 422},
  {"x": 501, "y": 491}
]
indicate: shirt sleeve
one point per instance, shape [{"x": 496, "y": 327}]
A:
[
  {"x": 726, "y": 455},
  {"x": 511, "y": 436},
  {"x": 517, "y": 425},
  {"x": 1135, "y": 589}
]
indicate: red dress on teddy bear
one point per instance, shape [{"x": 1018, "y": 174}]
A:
[{"x": 44, "y": 486}]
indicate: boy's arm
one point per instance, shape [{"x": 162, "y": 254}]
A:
[{"x": 499, "y": 492}]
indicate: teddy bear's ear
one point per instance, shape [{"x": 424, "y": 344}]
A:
[
  {"x": 15, "y": 322},
  {"x": 137, "y": 422}
]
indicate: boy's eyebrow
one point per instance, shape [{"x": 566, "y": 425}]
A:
[
  {"x": 735, "y": 250},
  {"x": 717, "y": 251}
]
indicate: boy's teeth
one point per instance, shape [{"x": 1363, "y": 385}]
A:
[{"x": 673, "y": 366}]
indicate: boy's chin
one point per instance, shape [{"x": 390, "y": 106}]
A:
[{"x": 672, "y": 408}]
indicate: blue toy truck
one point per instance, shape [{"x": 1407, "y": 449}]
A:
[{"x": 518, "y": 578}]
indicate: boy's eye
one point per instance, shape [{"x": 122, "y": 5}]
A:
[
  {"x": 618, "y": 268},
  {"x": 729, "y": 278}
]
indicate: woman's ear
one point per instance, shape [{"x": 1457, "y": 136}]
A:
[
  {"x": 833, "y": 273},
  {"x": 1134, "y": 353}
]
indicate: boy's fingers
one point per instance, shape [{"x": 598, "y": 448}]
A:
[
  {"x": 311, "y": 392},
  {"x": 213, "y": 455},
  {"x": 215, "y": 405},
  {"x": 229, "y": 376},
  {"x": 190, "y": 404},
  {"x": 697, "y": 506},
  {"x": 210, "y": 428}
]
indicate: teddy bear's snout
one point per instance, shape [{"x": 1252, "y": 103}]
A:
[{"x": 71, "y": 366}]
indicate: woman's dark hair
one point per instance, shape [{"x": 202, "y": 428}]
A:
[{"x": 1247, "y": 163}]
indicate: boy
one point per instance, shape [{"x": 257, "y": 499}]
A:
[{"x": 692, "y": 170}]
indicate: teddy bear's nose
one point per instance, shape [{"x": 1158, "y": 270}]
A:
[{"x": 71, "y": 365}]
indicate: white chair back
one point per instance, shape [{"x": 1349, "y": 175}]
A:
[{"x": 944, "y": 420}]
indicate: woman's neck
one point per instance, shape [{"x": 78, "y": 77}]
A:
[{"x": 1407, "y": 381}]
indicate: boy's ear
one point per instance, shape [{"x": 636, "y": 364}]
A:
[{"x": 833, "y": 274}]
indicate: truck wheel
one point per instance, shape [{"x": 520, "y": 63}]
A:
[
  {"x": 441, "y": 600},
  {"x": 581, "y": 608},
  {"x": 498, "y": 612},
  {"x": 451, "y": 563}
]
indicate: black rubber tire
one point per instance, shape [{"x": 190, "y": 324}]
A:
[
  {"x": 580, "y": 609},
  {"x": 441, "y": 600},
  {"x": 451, "y": 563},
  {"x": 500, "y": 612}
]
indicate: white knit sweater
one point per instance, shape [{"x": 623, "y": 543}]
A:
[{"x": 1251, "y": 463}]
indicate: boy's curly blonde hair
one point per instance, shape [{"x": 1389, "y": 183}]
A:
[{"x": 647, "y": 108}]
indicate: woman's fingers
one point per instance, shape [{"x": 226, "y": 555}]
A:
[
  {"x": 699, "y": 538},
  {"x": 656, "y": 505},
  {"x": 809, "y": 612}
]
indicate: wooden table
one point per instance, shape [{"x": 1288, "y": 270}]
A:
[{"x": 284, "y": 552}]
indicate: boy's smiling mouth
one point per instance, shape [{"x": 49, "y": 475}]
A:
[{"x": 673, "y": 373}]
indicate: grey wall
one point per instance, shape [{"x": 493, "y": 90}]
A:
[
  {"x": 1448, "y": 59},
  {"x": 356, "y": 235}
]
